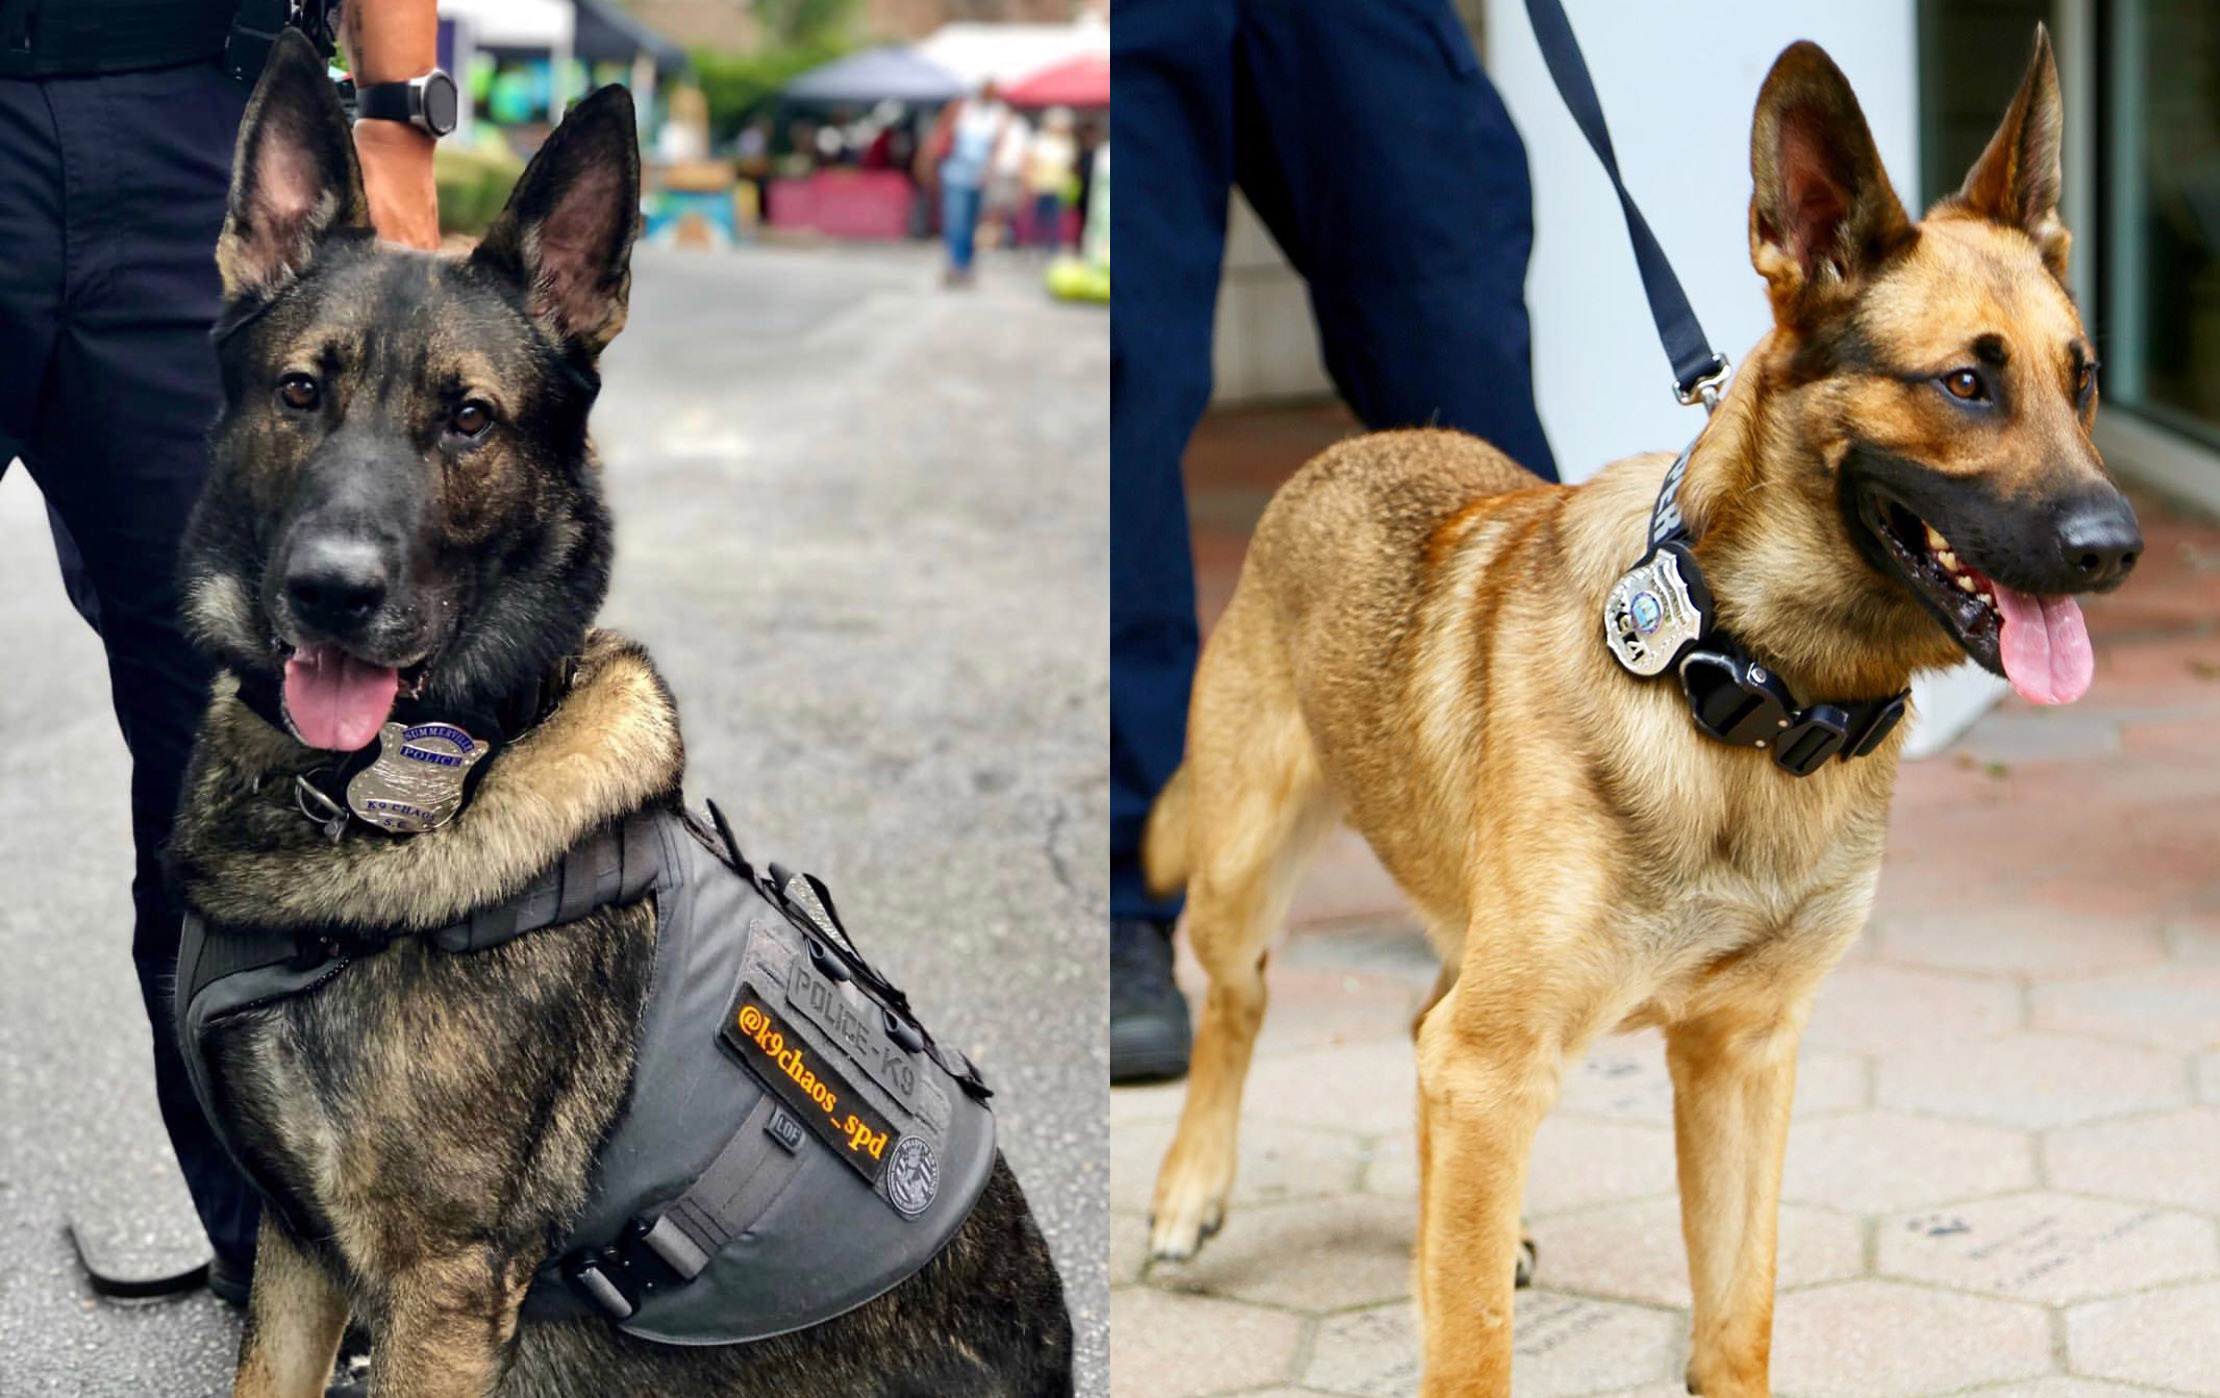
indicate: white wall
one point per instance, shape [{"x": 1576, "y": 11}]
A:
[{"x": 1677, "y": 83}]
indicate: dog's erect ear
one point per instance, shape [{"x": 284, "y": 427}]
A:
[
  {"x": 2016, "y": 180},
  {"x": 1822, "y": 213},
  {"x": 566, "y": 236},
  {"x": 294, "y": 179}
]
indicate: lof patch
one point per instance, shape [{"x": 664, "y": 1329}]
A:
[{"x": 912, "y": 1176}]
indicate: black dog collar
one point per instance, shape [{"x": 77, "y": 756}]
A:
[
  {"x": 425, "y": 763},
  {"x": 1659, "y": 617}
]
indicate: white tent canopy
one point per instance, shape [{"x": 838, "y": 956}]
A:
[
  {"x": 1008, "y": 52},
  {"x": 516, "y": 24},
  {"x": 547, "y": 25}
]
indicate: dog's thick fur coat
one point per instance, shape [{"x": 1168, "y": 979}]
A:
[
  {"x": 1415, "y": 646},
  {"x": 436, "y": 1116}
]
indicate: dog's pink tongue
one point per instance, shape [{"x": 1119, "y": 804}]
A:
[
  {"x": 335, "y": 700},
  {"x": 2046, "y": 646}
]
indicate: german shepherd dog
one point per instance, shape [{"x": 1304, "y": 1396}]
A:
[
  {"x": 1900, "y": 475},
  {"x": 403, "y": 498}
]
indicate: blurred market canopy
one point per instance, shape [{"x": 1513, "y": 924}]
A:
[
  {"x": 898, "y": 71},
  {"x": 1010, "y": 53},
  {"x": 1075, "y": 82}
]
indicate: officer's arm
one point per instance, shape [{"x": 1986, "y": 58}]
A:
[{"x": 390, "y": 41}]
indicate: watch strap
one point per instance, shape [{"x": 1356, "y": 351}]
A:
[{"x": 387, "y": 101}]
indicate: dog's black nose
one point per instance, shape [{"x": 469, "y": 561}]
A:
[
  {"x": 2100, "y": 541},
  {"x": 336, "y": 583}
]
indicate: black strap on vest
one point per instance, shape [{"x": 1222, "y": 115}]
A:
[
  {"x": 615, "y": 865},
  {"x": 808, "y": 903},
  {"x": 1698, "y": 369}
]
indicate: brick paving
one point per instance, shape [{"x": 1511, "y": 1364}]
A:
[{"x": 2004, "y": 1173}]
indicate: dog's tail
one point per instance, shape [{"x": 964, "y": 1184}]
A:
[{"x": 1164, "y": 854}]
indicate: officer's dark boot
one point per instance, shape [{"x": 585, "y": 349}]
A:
[{"x": 1148, "y": 1016}]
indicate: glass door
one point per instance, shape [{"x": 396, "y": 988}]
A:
[{"x": 2159, "y": 236}]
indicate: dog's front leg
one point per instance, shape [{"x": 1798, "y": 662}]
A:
[
  {"x": 1734, "y": 1074},
  {"x": 1485, "y": 1082},
  {"x": 295, "y": 1317},
  {"x": 447, "y": 1321}
]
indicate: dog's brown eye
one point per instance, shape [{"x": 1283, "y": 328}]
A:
[
  {"x": 1966, "y": 386},
  {"x": 299, "y": 391},
  {"x": 471, "y": 419}
]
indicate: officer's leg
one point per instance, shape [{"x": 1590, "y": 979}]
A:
[
  {"x": 117, "y": 447},
  {"x": 31, "y": 269},
  {"x": 1385, "y": 164},
  {"x": 1172, "y": 127}
]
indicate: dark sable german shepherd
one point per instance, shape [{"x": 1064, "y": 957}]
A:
[
  {"x": 1901, "y": 475},
  {"x": 403, "y": 498}
]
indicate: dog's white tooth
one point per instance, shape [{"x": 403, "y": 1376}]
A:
[
  {"x": 1965, "y": 584},
  {"x": 1947, "y": 559},
  {"x": 1936, "y": 541}
]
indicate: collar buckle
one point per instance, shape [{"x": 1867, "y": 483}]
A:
[{"x": 1736, "y": 700}]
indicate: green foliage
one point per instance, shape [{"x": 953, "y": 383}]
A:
[
  {"x": 473, "y": 185},
  {"x": 739, "y": 86},
  {"x": 800, "y": 23}
]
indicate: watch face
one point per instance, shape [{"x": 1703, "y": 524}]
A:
[{"x": 439, "y": 103}]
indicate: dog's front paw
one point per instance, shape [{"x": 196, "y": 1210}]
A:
[{"x": 1176, "y": 1238}]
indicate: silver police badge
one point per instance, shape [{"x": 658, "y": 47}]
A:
[
  {"x": 416, "y": 784},
  {"x": 912, "y": 1176},
  {"x": 1650, "y": 616}
]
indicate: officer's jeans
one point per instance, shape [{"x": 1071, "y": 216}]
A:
[
  {"x": 959, "y": 221},
  {"x": 111, "y": 194},
  {"x": 1389, "y": 172}
]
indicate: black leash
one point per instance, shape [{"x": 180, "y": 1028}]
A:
[
  {"x": 1659, "y": 615},
  {"x": 1699, "y": 371}
]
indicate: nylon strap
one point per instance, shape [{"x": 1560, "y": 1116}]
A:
[
  {"x": 731, "y": 1194},
  {"x": 1686, "y": 346}
]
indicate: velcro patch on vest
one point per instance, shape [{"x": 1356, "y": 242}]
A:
[
  {"x": 798, "y": 1073},
  {"x": 856, "y": 1031}
]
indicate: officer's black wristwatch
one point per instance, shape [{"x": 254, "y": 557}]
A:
[{"x": 427, "y": 103}]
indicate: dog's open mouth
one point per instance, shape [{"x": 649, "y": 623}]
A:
[
  {"x": 2038, "y": 643},
  {"x": 339, "y": 701}
]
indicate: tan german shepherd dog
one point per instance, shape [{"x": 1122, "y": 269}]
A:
[{"x": 1901, "y": 475}]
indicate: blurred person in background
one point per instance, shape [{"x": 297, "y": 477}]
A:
[
  {"x": 1083, "y": 167},
  {"x": 1388, "y": 171},
  {"x": 1049, "y": 176},
  {"x": 117, "y": 119},
  {"x": 1003, "y": 214},
  {"x": 801, "y": 147},
  {"x": 959, "y": 158}
]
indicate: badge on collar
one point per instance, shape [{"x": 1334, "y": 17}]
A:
[
  {"x": 416, "y": 783},
  {"x": 1655, "y": 611}
]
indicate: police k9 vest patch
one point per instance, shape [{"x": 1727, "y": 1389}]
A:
[{"x": 791, "y": 1066}]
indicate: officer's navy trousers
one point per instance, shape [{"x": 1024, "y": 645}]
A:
[
  {"x": 1365, "y": 134},
  {"x": 111, "y": 195}
]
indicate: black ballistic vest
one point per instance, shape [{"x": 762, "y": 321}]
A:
[{"x": 795, "y": 1144}]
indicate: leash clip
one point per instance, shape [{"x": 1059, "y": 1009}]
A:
[
  {"x": 1706, "y": 388},
  {"x": 320, "y": 808}
]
